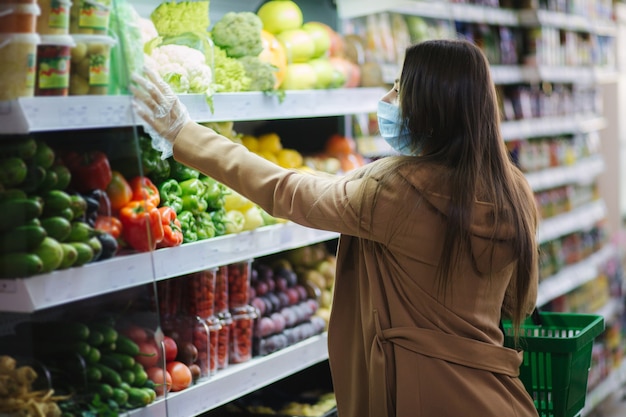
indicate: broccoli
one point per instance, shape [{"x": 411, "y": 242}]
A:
[
  {"x": 230, "y": 75},
  {"x": 262, "y": 74},
  {"x": 239, "y": 34}
]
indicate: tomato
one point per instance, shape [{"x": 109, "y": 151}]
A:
[
  {"x": 340, "y": 145},
  {"x": 135, "y": 333},
  {"x": 181, "y": 375},
  {"x": 149, "y": 354},
  {"x": 155, "y": 374},
  {"x": 170, "y": 347}
]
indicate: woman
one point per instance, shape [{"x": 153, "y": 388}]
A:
[{"x": 436, "y": 243}]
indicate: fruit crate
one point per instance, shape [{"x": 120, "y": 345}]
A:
[{"x": 557, "y": 357}]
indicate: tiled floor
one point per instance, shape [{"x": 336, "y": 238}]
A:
[{"x": 613, "y": 406}]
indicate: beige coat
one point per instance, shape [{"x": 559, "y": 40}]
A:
[{"x": 395, "y": 348}]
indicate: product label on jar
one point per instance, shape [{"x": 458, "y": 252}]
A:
[
  {"x": 93, "y": 15},
  {"x": 98, "y": 70},
  {"x": 54, "y": 72},
  {"x": 31, "y": 62},
  {"x": 59, "y": 15}
]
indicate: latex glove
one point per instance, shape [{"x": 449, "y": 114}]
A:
[{"x": 160, "y": 109}]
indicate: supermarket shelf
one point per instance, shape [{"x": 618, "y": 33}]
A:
[
  {"x": 573, "y": 276},
  {"x": 551, "y": 126},
  {"x": 27, "y": 295},
  {"x": 238, "y": 380},
  {"x": 612, "y": 308},
  {"x": 36, "y": 114},
  {"x": 566, "y": 21},
  {"x": 583, "y": 171},
  {"x": 611, "y": 384},
  {"x": 578, "y": 219}
]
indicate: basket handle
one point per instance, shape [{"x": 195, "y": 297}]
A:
[{"x": 536, "y": 317}]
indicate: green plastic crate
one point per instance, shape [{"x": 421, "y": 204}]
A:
[{"x": 557, "y": 358}]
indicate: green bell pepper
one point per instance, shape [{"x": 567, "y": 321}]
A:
[
  {"x": 181, "y": 172},
  {"x": 188, "y": 225},
  {"x": 193, "y": 195},
  {"x": 171, "y": 194},
  {"x": 219, "y": 221},
  {"x": 214, "y": 194},
  {"x": 204, "y": 226}
]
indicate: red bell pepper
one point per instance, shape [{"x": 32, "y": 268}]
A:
[
  {"x": 142, "y": 227},
  {"x": 172, "y": 229},
  {"x": 119, "y": 191},
  {"x": 90, "y": 170},
  {"x": 144, "y": 189},
  {"x": 109, "y": 224}
]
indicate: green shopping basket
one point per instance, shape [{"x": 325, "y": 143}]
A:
[{"x": 557, "y": 358}]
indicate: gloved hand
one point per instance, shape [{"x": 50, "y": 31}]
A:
[{"x": 159, "y": 107}]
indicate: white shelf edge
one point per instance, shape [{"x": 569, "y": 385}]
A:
[
  {"x": 550, "y": 126},
  {"x": 580, "y": 218},
  {"x": 240, "y": 379},
  {"x": 582, "y": 172},
  {"x": 27, "y": 295},
  {"x": 38, "y": 114},
  {"x": 573, "y": 276},
  {"x": 604, "y": 389}
]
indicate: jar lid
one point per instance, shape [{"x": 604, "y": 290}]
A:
[
  {"x": 62, "y": 40},
  {"x": 83, "y": 38},
  {"x": 7, "y": 38},
  {"x": 213, "y": 323},
  {"x": 19, "y": 8},
  {"x": 225, "y": 317},
  {"x": 245, "y": 312}
]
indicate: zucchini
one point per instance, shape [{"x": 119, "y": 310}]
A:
[
  {"x": 20, "y": 265},
  {"x": 19, "y": 211}
]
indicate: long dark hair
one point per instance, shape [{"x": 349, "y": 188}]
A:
[{"x": 449, "y": 103}]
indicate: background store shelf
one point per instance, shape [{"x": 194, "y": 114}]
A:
[
  {"x": 579, "y": 219},
  {"x": 26, "y": 295},
  {"x": 573, "y": 276},
  {"x": 37, "y": 114},
  {"x": 240, "y": 379},
  {"x": 583, "y": 171},
  {"x": 551, "y": 126}
]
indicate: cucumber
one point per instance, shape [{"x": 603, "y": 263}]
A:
[
  {"x": 119, "y": 360},
  {"x": 141, "y": 376},
  {"x": 24, "y": 148},
  {"x": 93, "y": 374},
  {"x": 13, "y": 171},
  {"x": 96, "y": 338},
  {"x": 94, "y": 355},
  {"x": 17, "y": 212},
  {"x": 63, "y": 176},
  {"x": 44, "y": 155},
  {"x": 20, "y": 265},
  {"x": 80, "y": 232},
  {"x": 104, "y": 390},
  {"x": 120, "y": 396},
  {"x": 61, "y": 330},
  {"x": 128, "y": 376},
  {"x": 57, "y": 227},
  {"x": 51, "y": 254},
  {"x": 22, "y": 239},
  {"x": 12, "y": 194},
  {"x": 109, "y": 334},
  {"x": 138, "y": 397},
  {"x": 35, "y": 175},
  {"x": 126, "y": 346},
  {"x": 109, "y": 375},
  {"x": 49, "y": 182}
]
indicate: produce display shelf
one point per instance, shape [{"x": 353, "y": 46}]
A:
[
  {"x": 578, "y": 219},
  {"x": 551, "y": 126},
  {"x": 27, "y": 295},
  {"x": 238, "y": 380},
  {"x": 477, "y": 13},
  {"x": 584, "y": 171},
  {"x": 610, "y": 385},
  {"x": 38, "y": 114},
  {"x": 573, "y": 276}
]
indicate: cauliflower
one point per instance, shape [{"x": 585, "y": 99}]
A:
[
  {"x": 262, "y": 74},
  {"x": 239, "y": 34},
  {"x": 183, "y": 68}
]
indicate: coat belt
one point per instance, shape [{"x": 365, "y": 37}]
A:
[{"x": 435, "y": 344}]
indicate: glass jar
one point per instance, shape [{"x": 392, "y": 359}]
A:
[
  {"x": 201, "y": 340},
  {"x": 241, "y": 334},
  {"x": 239, "y": 284},
  {"x": 221, "y": 289},
  {"x": 201, "y": 293},
  {"x": 215, "y": 326},
  {"x": 223, "y": 339}
]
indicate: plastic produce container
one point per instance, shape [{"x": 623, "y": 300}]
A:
[
  {"x": 221, "y": 289},
  {"x": 202, "y": 342},
  {"x": 201, "y": 293},
  {"x": 90, "y": 17},
  {"x": 53, "y": 65},
  {"x": 18, "y": 18},
  {"x": 54, "y": 18},
  {"x": 239, "y": 284},
  {"x": 214, "y": 325},
  {"x": 89, "y": 73},
  {"x": 18, "y": 62},
  {"x": 241, "y": 334},
  {"x": 223, "y": 339}
]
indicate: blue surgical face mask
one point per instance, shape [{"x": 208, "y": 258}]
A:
[{"x": 395, "y": 133}]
